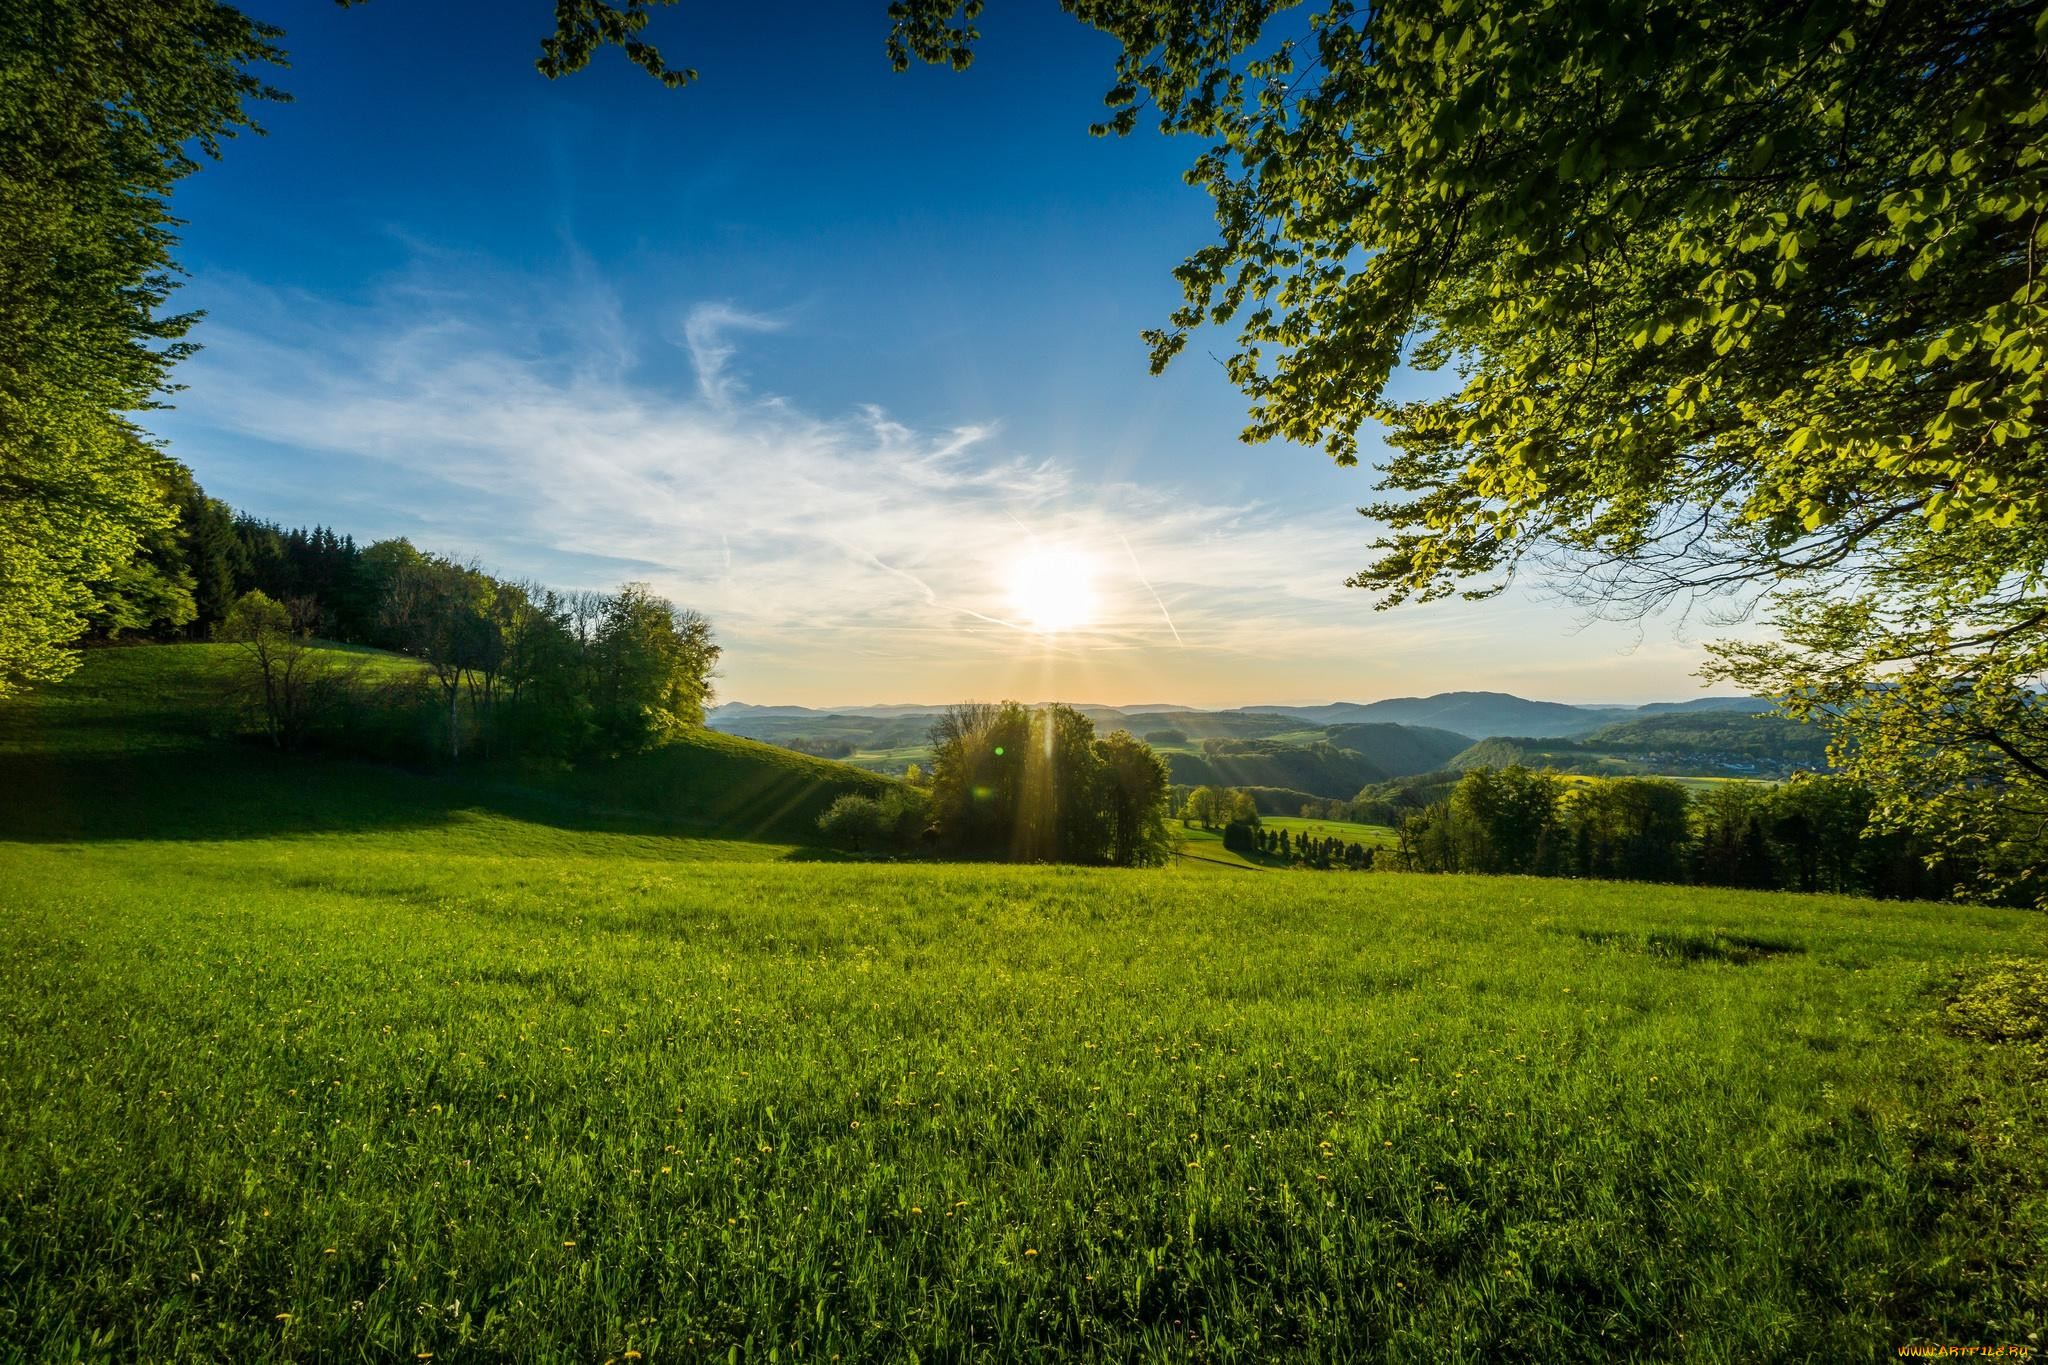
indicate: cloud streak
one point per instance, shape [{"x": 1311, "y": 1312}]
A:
[{"x": 538, "y": 433}]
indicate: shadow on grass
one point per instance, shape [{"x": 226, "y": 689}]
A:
[
  {"x": 226, "y": 790},
  {"x": 1691, "y": 946}
]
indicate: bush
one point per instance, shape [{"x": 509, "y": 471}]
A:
[
  {"x": 868, "y": 824},
  {"x": 855, "y": 821},
  {"x": 2007, "y": 1004}
]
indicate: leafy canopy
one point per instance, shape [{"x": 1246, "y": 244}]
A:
[
  {"x": 1731, "y": 297},
  {"x": 103, "y": 108}
]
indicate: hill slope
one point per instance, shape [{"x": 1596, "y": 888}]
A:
[
  {"x": 442, "y": 1079},
  {"x": 1319, "y": 769},
  {"x": 1718, "y": 742},
  {"x": 262, "y": 1095},
  {"x": 136, "y": 743},
  {"x": 1399, "y": 750}
]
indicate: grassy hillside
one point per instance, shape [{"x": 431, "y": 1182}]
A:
[
  {"x": 1473, "y": 714},
  {"x": 1699, "y": 743},
  {"x": 137, "y": 743},
  {"x": 1372, "y": 836},
  {"x": 1321, "y": 770},
  {"x": 1399, "y": 750},
  {"x": 320, "y": 1060},
  {"x": 1265, "y": 750},
  {"x": 1717, "y": 734},
  {"x": 267, "y": 1098}
]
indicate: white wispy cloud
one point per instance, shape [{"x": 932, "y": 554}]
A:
[
  {"x": 536, "y": 428},
  {"x": 707, "y": 329}
]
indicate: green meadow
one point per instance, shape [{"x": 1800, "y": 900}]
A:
[
  {"x": 308, "y": 1060},
  {"x": 1197, "y": 848},
  {"x": 1350, "y": 832}
]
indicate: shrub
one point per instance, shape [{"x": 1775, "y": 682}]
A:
[{"x": 868, "y": 824}]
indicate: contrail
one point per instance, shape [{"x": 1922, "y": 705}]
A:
[
  {"x": 931, "y": 597},
  {"x": 1139, "y": 570}
]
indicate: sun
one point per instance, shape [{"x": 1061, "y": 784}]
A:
[{"x": 1054, "y": 589}]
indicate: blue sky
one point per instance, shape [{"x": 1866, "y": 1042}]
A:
[{"x": 832, "y": 353}]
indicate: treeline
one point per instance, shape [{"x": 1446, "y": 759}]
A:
[
  {"x": 1812, "y": 833},
  {"x": 1022, "y": 784},
  {"x": 1710, "y": 741},
  {"x": 1316, "y": 767},
  {"x": 1299, "y": 849},
  {"x": 820, "y": 748},
  {"x": 1212, "y": 806},
  {"x": 507, "y": 667}
]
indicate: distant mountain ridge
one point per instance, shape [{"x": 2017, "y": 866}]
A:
[{"x": 1471, "y": 715}]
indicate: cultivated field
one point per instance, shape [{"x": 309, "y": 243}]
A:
[{"x": 463, "y": 1081}]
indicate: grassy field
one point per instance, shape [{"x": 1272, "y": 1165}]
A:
[
  {"x": 489, "y": 1081},
  {"x": 1371, "y": 836},
  {"x": 131, "y": 746},
  {"x": 1198, "y": 848}
]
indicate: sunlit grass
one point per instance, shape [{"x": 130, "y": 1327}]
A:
[
  {"x": 1350, "y": 832},
  {"x": 380, "y": 1094},
  {"x": 304, "y": 1059}
]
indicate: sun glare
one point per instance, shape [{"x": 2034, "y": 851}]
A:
[{"x": 1054, "y": 590}]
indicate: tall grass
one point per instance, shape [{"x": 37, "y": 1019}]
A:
[
  {"x": 389, "y": 1095},
  {"x": 304, "y": 1060}
]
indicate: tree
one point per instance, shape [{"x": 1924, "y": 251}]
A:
[
  {"x": 653, "y": 664},
  {"x": 282, "y": 678},
  {"x": 106, "y": 107},
  {"x": 1506, "y": 820},
  {"x": 1935, "y": 707},
  {"x": 1817, "y": 824},
  {"x": 978, "y": 773},
  {"x": 855, "y": 821},
  {"x": 1732, "y": 847},
  {"x": 154, "y": 592},
  {"x": 1629, "y": 829},
  {"x": 206, "y": 533},
  {"x": 1035, "y": 785},
  {"x": 1741, "y": 298},
  {"x": 1133, "y": 800},
  {"x": 434, "y": 611},
  {"x": 867, "y": 824}
]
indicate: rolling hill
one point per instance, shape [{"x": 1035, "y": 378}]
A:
[
  {"x": 1399, "y": 750},
  {"x": 1473, "y": 714},
  {"x": 136, "y": 740},
  {"x": 1321, "y": 770},
  {"x": 290, "y": 1043},
  {"x": 1718, "y": 742},
  {"x": 1470, "y": 715}
]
